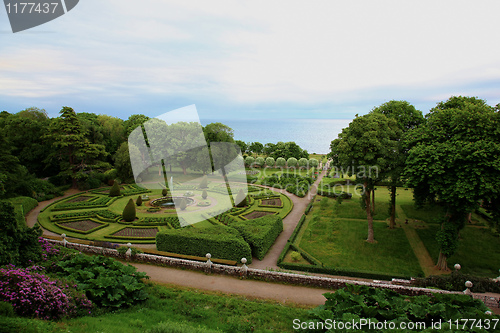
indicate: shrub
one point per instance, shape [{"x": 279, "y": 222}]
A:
[
  {"x": 241, "y": 199},
  {"x": 183, "y": 204},
  {"x": 220, "y": 241},
  {"x": 313, "y": 163},
  {"x": 35, "y": 295},
  {"x": 260, "y": 233},
  {"x": 291, "y": 162},
  {"x": 106, "y": 282},
  {"x": 249, "y": 160},
  {"x": 295, "y": 256},
  {"x": 115, "y": 190},
  {"x": 260, "y": 161},
  {"x": 280, "y": 162},
  {"x": 456, "y": 282},
  {"x": 270, "y": 162},
  {"x": 204, "y": 182},
  {"x": 204, "y": 194},
  {"x": 164, "y": 192},
  {"x": 129, "y": 211},
  {"x": 6, "y": 309},
  {"x": 303, "y": 162},
  {"x": 138, "y": 202}
]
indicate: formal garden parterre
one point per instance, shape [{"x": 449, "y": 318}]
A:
[{"x": 96, "y": 215}]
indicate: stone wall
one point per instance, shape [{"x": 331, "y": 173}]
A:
[{"x": 397, "y": 285}]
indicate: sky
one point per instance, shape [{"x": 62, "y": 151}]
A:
[{"x": 252, "y": 59}]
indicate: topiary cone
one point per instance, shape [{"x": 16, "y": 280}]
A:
[
  {"x": 129, "y": 211},
  {"x": 204, "y": 194},
  {"x": 115, "y": 190},
  {"x": 241, "y": 199},
  {"x": 138, "y": 202},
  {"x": 183, "y": 204},
  {"x": 164, "y": 192},
  {"x": 204, "y": 182}
]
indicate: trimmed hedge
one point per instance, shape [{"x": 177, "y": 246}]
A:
[
  {"x": 220, "y": 241},
  {"x": 22, "y": 205},
  {"x": 260, "y": 233}
]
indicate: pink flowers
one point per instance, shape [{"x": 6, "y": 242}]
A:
[
  {"x": 35, "y": 295},
  {"x": 47, "y": 248}
]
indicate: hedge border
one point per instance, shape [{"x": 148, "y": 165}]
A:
[{"x": 62, "y": 226}]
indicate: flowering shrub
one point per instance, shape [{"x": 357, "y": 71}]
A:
[
  {"x": 47, "y": 249},
  {"x": 35, "y": 295}
]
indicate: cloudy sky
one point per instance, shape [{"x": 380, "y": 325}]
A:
[{"x": 252, "y": 59}]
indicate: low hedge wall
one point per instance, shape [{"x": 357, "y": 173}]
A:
[
  {"x": 220, "y": 241},
  {"x": 84, "y": 232},
  {"x": 260, "y": 233}
]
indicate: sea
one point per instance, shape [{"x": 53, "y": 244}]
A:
[{"x": 313, "y": 135}]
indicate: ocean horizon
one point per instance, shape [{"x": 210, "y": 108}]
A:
[{"x": 313, "y": 135}]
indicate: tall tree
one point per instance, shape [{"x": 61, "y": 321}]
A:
[
  {"x": 407, "y": 118},
  {"x": 72, "y": 148},
  {"x": 256, "y": 147},
  {"x": 454, "y": 158},
  {"x": 243, "y": 146},
  {"x": 218, "y": 132},
  {"x": 367, "y": 146}
]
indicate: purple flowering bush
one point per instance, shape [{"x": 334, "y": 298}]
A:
[
  {"x": 35, "y": 295},
  {"x": 48, "y": 250}
]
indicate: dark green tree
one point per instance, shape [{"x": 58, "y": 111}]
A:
[
  {"x": 138, "y": 202},
  {"x": 408, "y": 118},
  {"x": 204, "y": 194},
  {"x": 367, "y": 146},
  {"x": 115, "y": 190},
  {"x": 218, "y": 132},
  {"x": 453, "y": 157},
  {"x": 72, "y": 148},
  {"x": 129, "y": 211}
]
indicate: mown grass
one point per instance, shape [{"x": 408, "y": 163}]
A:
[
  {"x": 478, "y": 250},
  {"x": 196, "y": 308},
  {"x": 347, "y": 248},
  {"x": 429, "y": 213}
]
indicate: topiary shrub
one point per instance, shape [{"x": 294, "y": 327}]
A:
[
  {"x": 270, "y": 162},
  {"x": 249, "y": 160},
  {"x": 204, "y": 182},
  {"x": 313, "y": 162},
  {"x": 260, "y": 161},
  {"x": 220, "y": 241},
  {"x": 280, "y": 162},
  {"x": 115, "y": 190},
  {"x": 183, "y": 204},
  {"x": 260, "y": 233},
  {"x": 291, "y": 162},
  {"x": 138, "y": 202},
  {"x": 303, "y": 162},
  {"x": 295, "y": 256},
  {"x": 204, "y": 194},
  {"x": 164, "y": 192},
  {"x": 129, "y": 211},
  {"x": 241, "y": 199}
]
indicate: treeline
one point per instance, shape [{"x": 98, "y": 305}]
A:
[
  {"x": 41, "y": 156},
  {"x": 451, "y": 157}
]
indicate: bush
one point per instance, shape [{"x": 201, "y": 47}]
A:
[
  {"x": 204, "y": 182},
  {"x": 220, "y": 241},
  {"x": 164, "y": 192},
  {"x": 295, "y": 256},
  {"x": 313, "y": 163},
  {"x": 129, "y": 211},
  {"x": 106, "y": 282},
  {"x": 291, "y": 162},
  {"x": 35, "y": 295},
  {"x": 241, "y": 199},
  {"x": 115, "y": 190},
  {"x": 303, "y": 162},
  {"x": 6, "y": 309},
  {"x": 280, "y": 162},
  {"x": 249, "y": 160},
  {"x": 270, "y": 162},
  {"x": 204, "y": 194},
  {"x": 260, "y": 233},
  {"x": 260, "y": 161},
  {"x": 138, "y": 202},
  {"x": 183, "y": 204}
]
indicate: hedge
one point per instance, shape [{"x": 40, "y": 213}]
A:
[
  {"x": 260, "y": 233},
  {"x": 22, "y": 205},
  {"x": 220, "y": 241}
]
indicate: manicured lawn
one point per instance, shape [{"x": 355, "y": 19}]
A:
[
  {"x": 341, "y": 243},
  {"x": 428, "y": 213},
  {"x": 478, "y": 250}
]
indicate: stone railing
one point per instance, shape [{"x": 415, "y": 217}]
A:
[{"x": 400, "y": 286}]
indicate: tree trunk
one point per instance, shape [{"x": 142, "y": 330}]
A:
[
  {"x": 392, "y": 221},
  {"x": 373, "y": 200},
  {"x": 442, "y": 264},
  {"x": 371, "y": 237},
  {"x": 469, "y": 218}
]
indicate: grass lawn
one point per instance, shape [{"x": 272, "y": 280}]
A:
[
  {"x": 428, "y": 213},
  {"x": 478, "y": 250}
]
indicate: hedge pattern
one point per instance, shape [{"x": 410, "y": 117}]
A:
[
  {"x": 220, "y": 241},
  {"x": 261, "y": 233}
]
